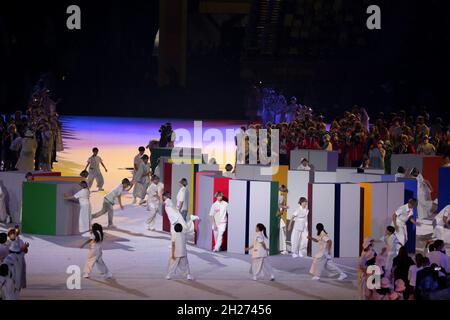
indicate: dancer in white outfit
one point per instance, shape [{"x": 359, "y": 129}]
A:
[
  {"x": 424, "y": 200},
  {"x": 282, "y": 219},
  {"x": 175, "y": 217},
  {"x": 441, "y": 225},
  {"x": 110, "y": 199},
  {"x": 183, "y": 198},
  {"x": 83, "y": 196},
  {"x": 402, "y": 215},
  {"x": 154, "y": 201},
  {"x": 259, "y": 251},
  {"x": 136, "y": 164},
  {"x": 299, "y": 236},
  {"x": 322, "y": 259},
  {"x": 391, "y": 249},
  {"x": 94, "y": 163},
  {"x": 95, "y": 255},
  {"x": 178, "y": 259},
  {"x": 141, "y": 179},
  {"x": 218, "y": 215}
]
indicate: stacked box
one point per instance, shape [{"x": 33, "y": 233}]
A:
[
  {"x": 318, "y": 159},
  {"x": 427, "y": 165},
  {"x": 173, "y": 173},
  {"x": 58, "y": 178},
  {"x": 262, "y": 173},
  {"x": 263, "y": 209},
  {"x": 338, "y": 207},
  {"x": 11, "y": 184},
  {"x": 239, "y": 216},
  {"x": 176, "y": 155},
  {"x": 444, "y": 188},
  {"x": 45, "y": 211},
  {"x": 207, "y": 188},
  {"x": 381, "y": 199}
]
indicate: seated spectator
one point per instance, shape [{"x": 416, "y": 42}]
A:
[{"x": 426, "y": 148}]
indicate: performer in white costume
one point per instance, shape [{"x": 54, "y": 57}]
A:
[
  {"x": 136, "y": 164},
  {"x": 83, "y": 196},
  {"x": 322, "y": 259},
  {"x": 218, "y": 215},
  {"x": 392, "y": 245},
  {"x": 154, "y": 201},
  {"x": 441, "y": 225},
  {"x": 175, "y": 216},
  {"x": 178, "y": 260},
  {"x": 299, "y": 236},
  {"x": 259, "y": 251},
  {"x": 183, "y": 198},
  {"x": 94, "y": 163},
  {"x": 304, "y": 165},
  {"x": 402, "y": 215},
  {"x": 141, "y": 179},
  {"x": 282, "y": 219},
  {"x": 95, "y": 255},
  {"x": 424, "y": 200}
]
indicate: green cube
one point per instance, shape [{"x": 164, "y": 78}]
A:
[{"x": 44, "y": 210}]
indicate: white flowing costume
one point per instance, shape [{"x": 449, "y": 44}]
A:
[
  {"x": 259, "y": 257},
  {"x": 299, "y": 236},
  {"x": 84, "y": 222},
  {"x": 440, "y": 232},
  {"x": 282, "y": 238},
  {"x": 154, "y": 205},
  {"x": 95, "y": 257},
  {"x": 94, "y": 172},
  {"x": 403, "y": 214},
  {"x": 322, "y": 260},
  {"x": 218, "y": 212},
  {"x": 424, "y": 201}
]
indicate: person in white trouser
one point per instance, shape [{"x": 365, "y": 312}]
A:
[
  {"x": 392, "y": 246},
  {"x": 175, "y": 217},
  {"x": 136, "y": 164},
  {"x": 95, "y": 255},
  {"x": 424, "y": 200},
  {"x": 218, "y": 215},
  {"x": 154, "y": 201},
  {"x": 441, "y": 225},
  {"x": 282, "y": 219},
  {"x": 178, "y": 259},
  {"x": 94, "y": 163},
  {"x": 83, "y": 197},
  {"x": 141, "y": 179},
  {"x": 299, "y": 236},
  {"x": 20, "y": 248},
  {"x": 259, "y": 251},
  {"x": 322, "y": 259},
  {"x": 110, "y": 199},
  {"x": 402, "y": 215},
  {"x": 183, "y": 198}
]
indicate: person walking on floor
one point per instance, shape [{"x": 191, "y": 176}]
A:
[
  {"x": 322, "y": 259},
  {"x": 259, "y": 251},
  {"x": 94, "y": 163},
  {"x": 178, "y": 259},
  {"x": 95, "y": 254},
  {"x": 110, "y": 199}
]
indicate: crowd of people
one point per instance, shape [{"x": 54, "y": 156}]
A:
[
  {"x": 29, "y": 141},
  {"x": 357, "y": 142}
]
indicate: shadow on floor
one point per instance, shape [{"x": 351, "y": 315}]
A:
[
  {"x": 204, "y": 287},
  {"x": 116, "y": 285}
]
